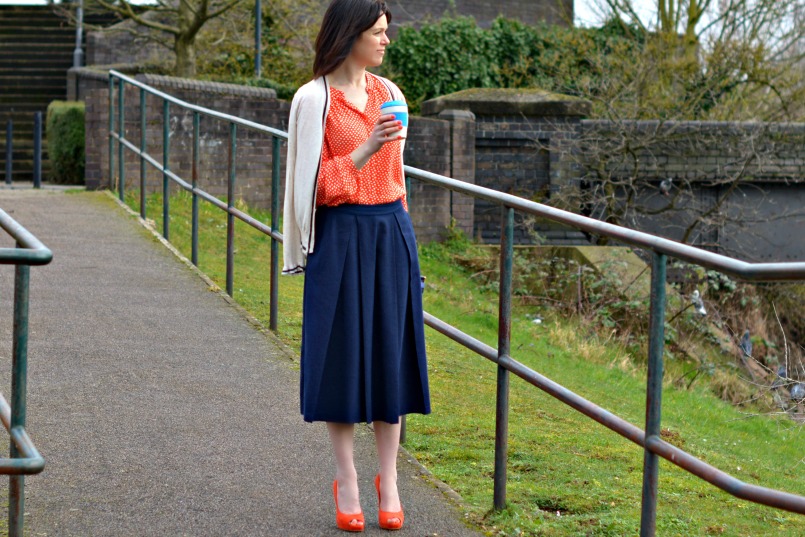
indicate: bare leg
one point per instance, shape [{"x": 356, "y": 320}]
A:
[
  {"x": 342, "y": 440},
  {"x": 387, "y": 439}
]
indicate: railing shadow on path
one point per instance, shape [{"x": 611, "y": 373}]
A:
[{"x": 659, "y": 248}]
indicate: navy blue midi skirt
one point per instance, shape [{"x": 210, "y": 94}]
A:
[{"x": 363, "y": 340}]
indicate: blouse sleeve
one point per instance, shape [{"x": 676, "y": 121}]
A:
[{"x": 338, "y": 178}]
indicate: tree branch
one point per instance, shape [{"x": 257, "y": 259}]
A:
[
  {"x": 223, "y": 10},
  {"x": 125, "y": 9}
]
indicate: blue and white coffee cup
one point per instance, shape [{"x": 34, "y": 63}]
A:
[{"x": 400, "y": 111}]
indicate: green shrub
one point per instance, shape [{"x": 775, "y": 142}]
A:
[
  {"x": 455, "y": 54},
  {"x": 441, "y": 58},
  {"x": 65, "y": 138}
]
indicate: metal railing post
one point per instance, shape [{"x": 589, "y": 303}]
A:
[
  {"x": 78, "y": 52},
  {"x": 648, "y": 513},
  {"x": 230, "y": 218},
  {"x": 19, "y": 385},
  {"x": 194, "y": 173},
  {"x": 504, "y": 349},
  {"x": 111, "y": 130},
  {"x": 165, "y": 167},
  {"x": 143, "y": 133},
  {"x": 258, "y": 39},
  {"x": 275, "y": 223},
  {"x": 121, "y": 162},
  {"x": 403, "y": 428},
  {"x": 37, "y": 149},
  {"x": 9, "y": 150},
  {"x": 403, "y": 419}
]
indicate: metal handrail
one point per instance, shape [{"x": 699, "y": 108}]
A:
[
  {"x": 711, "y": 474},
  {"x": 200, "y": 109},
  {"x": 661, "y": 248},
  {"x": 119, "y": 79},
  {"x": 30, "y": 250},
  {"x": 691, "y": 254},
  {"x": 25, "y": 459}
]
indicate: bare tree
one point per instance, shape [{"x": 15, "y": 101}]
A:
[
  {"x": 174, "y": 24},
  {"x": 740, "y": 55},
  {"x": 745, "y": 54}
]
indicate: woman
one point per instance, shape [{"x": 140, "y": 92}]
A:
[{"x": 347, "y": 227}]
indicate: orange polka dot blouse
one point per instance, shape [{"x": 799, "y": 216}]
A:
[{"x": 381, "y": 178}]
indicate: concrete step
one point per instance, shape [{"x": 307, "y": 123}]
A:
[
  {"x": 12, "y": 98},
  {"x": 36, "y": 61},
  {"x": 23, "y": 171},
  {"x": 22, "y": 131},
  {"x": 19, "y": 114},
  {"x": 23, "y": 167},
  {"x": 32, "y": 25},
  {"x": 38, "y": 45},
  {"x": 45, "y": 19},
  {"x": 24, "y": 176},
  {"x": 42, "y": 36},
  {"x": 22, "y": 152},
  {"x": 16, "y": 13},
  {"x": 40, "y": 28},
  {"x": 23, "y": 134},
  {"x": 40, "y": 101},
  {"x": 57, "y": 52},
  {"x": 36, "y": 72},
  {"x": 34, "y": 83},
  {"x": 40, "y": 71},
  {"x": 27, "y": 108}
]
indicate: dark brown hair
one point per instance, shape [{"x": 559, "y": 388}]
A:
[{"x": 344, "y": 21}]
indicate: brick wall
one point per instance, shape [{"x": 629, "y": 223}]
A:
[
  {"x": 117, "y": 45},
  {"x": 253, "y": 152},
  {"x": 530, "y": 150},
  {"x": 703, "y": 151},
  {"x": 537, "y": 145},
  {"x": 513, "y": 156},
  {"x": 430, "y": 206},
  {"x": 753, "y": 171}
]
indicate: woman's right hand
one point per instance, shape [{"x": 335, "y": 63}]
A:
[{"x": 385, "y": 126}]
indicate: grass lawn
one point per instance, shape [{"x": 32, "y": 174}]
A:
[{"x": 567, "y": 475}]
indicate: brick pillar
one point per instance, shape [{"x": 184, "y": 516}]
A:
[
  {"x": 462, "y": 164},
  {"x": 521, "y": 147},
  {"x": 96, "y": 139}
]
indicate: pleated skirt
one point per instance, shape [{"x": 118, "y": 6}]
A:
[{"x": 363, "y": 341}]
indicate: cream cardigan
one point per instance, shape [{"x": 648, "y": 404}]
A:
[{"x": 306, "y": 125}]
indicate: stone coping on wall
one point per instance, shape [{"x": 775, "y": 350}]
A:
[
  {"x": 207, "y": 86},
  {"x": 101, "y": 72},
  {"x": 507, "y": 101}
]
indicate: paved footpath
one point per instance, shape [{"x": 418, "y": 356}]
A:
[{"x": 159, "y": 408}]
